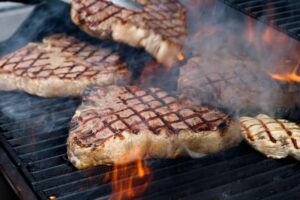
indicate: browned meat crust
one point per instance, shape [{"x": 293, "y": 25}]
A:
[
  {"x": 231, "y": 82},
  {"x": 276, "y": 138},
  {"x": 60, "y": 66},
  {"x": 160, "y": 27},
  {"x": 122, "y": 124}
]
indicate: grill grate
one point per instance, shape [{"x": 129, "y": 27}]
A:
[
  {"x": 283, "y": 15},
  {"x": 33, "y": 132},
  {"x": 236, "y": 173}
]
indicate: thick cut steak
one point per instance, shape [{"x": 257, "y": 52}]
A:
[
  {"x": 276, "y": 138},
  {"x": 160, "y": 27},
  {"x": 231, "y": 82},
  {"x": 60, "y": 66},
  {"x": 121, "y": 124}
]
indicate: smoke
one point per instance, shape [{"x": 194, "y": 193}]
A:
[
  {"x": 223, "y": 41},
  {"x": 33, "y": 114}
]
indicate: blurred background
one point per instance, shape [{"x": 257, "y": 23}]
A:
[{"x": 11, "y": 16}]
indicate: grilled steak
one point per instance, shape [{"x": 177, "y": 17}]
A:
[
  {"x": 60, "y": 66},
  {"x": 122, "y": 124},
  {"x": 231, "y": 82},
  {"x": 276, "y": 138},
  {"x": 160, "y": 27}
]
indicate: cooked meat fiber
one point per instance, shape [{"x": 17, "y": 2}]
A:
[
  {"x": 60, "y": 66},
  {"x": 276, "y": 138},
  {"x": 122, "y": 124},
  {"x": 231, "y": 82},
  {"x": 160, "y": 27}
]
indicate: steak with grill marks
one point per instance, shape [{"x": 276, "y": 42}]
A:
[
  {"x": 160, "y": 27},
  {"x": 232, "y": 82},
  {"x": 121, "y": 124},
  {"x": 61, "y": 66},
  {"x": 276, "y": 138}
]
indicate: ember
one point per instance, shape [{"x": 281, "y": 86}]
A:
[{"x": 180, "y": 57}]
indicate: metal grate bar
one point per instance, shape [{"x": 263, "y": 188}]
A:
[
  {"x": 53, "y": 171},
  {"x": 264, "y": 5},
  {"x": 164, "y": 171},
  {"x": 22, "y": 130},
  {"x": 265, "y": 14},
  {"x": 39, "y": 146},
  {"x": 275, "y": 13},
  {"x": 46, "y": 163},
  {"x": 208, "y": 182},
  {"x": 75, "y": 186},
  {"x": 263, "y": 192},
  {"x": 38, "y": 118},
  {"x": 258, "y": 180},
  {"x": 288, "y": 194},
  {"x": 68, "y": 178},
  {"x": 288, "y": 20},
  {"x": 38, "y": 137},
  {"x": 90, "y": 193},
  {"x": 49, "y": 152}
]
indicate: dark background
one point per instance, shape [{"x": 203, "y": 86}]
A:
[{"x": 6, "y": 192}]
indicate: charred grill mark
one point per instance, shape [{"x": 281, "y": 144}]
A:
[
  {"x": 295, "y": 143},
  {"x": 252, "y": 125},
  {"x": 154, "y": 130},
  {"x": 205, "y": 122},
  {"x": 272, "y": 139},
  {"x": 86, "y": 6},
  {"x": 168, "y": 30},
  {"x": 81, "y": 48},
  {"x": 87, "y": 134},
  {"x": 167, "y": 124},
  {"x": 79, "y": 143},
  {"x": 289, "y": 133},
  {"x": 109, "y": 16},
  {"x": 35, "y": 61},
  {"x": 247, "y": 132},
  {"x": 150, "y": 109}
]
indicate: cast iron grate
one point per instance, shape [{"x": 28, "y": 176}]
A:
[
  {"x": 33, "y": 132},
  {"x": 283, "y": 15}
]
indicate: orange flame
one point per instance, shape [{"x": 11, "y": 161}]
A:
[
  {"x": 130, "y": 181},
  {"x": 292, "y": 76}
]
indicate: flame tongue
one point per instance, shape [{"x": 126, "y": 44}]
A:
[
  {"x": 288, "y": 77},
  {"x": 129, "y": 181}
]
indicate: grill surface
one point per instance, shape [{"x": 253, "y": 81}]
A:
[
  {"x": 284, "y": 15},
  {"x": 34, "y": 131}
]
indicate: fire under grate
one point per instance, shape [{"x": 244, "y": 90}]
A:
[{"x": 33, "y": 134}]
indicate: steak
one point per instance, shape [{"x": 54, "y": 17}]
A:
[
  {"x": 118, "y": 125},
  {"x": 231, "y": 82},
  {"x": 160, "y": 27},
  {"x": 61, "y": 66},
  {"x": 276, "y": 138}
]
